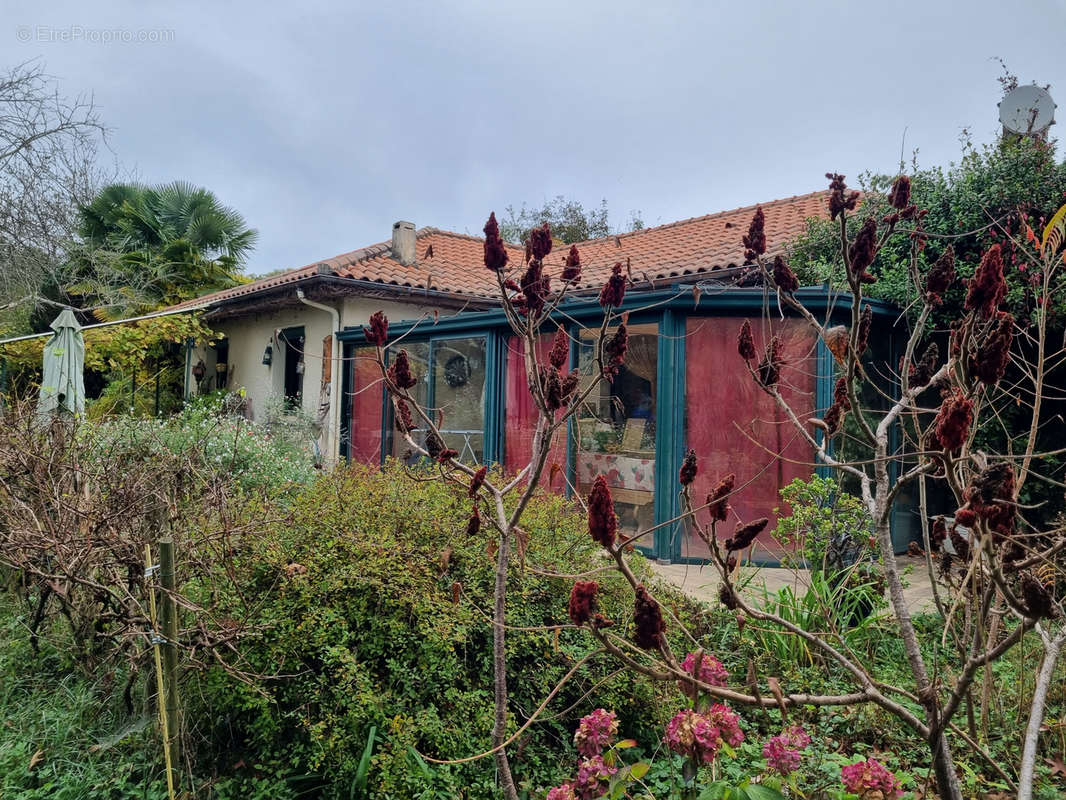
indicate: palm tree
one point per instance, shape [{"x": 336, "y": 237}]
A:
[{"x": 151, "y": 246}]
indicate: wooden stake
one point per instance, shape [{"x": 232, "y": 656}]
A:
[
  {"x": 160, "y": 690},
  {"x": 169, "y": 620}
]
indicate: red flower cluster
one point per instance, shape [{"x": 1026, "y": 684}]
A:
[
  {"x": 940, "y": 277},
  {"x": 991, "y": 496},
  {"x": 744, "y": 534},
  {"x": 769, "y": 369},
  {"x": 614, "y": 290},
  {"x": 755, "y": 241},
  {"x": 900, "y": 195},
  {"x": 614, "y": 352},
  {"x": 648, "y": 619},
  {"x": 746, "y": 342},
  {"x": 1037, "y": 598},
  {"x": 839, "y": 202},
  {"x": 990, "y": 361},
  {"x": 834, "y": 415},
  {"x": 863, "y": 250},
  {"x": 688, "y": 468},
  {"x": 987, "y": 287},
  {"x": 953, "y": 421},
  {"x": 540, "y": 242},
  {"x": 473, "y": 525},
  {"x": 557, "y": 389},
  {"x": 923, "y": 372},
  {"x": 718, "y": 499},
  {"x": 939, "y": 532},
  {"x": 583, "y": 601},
  {"x": 495, "y": 251},
  {"x": 784, "y": 277},
  {"x": 603, "y": 524},
  {"x": 535, "y": 286},
  {"x": 377, "y": 333},
  {"x": 560, "y": 352},
  {"x": 434, "y": 445},
  {"x": 960, "y": 544},
  {"x": 404, "y": 423},
  {"x": 572, "y": 266},
  {"x": 399, "y": 371},
  {"x": 447, "y": 454},
  {"x": 477, "y": 482}
]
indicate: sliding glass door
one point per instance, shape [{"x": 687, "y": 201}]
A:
[{"x": 451, "y": 375}]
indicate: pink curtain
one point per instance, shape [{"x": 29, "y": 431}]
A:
[
  {"x": 366, "y": 423},
  {"x": 736, "y": 427},
  {"x": 521, "y": 418}
]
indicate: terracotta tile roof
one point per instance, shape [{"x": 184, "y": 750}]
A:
[
  {"x": 447, "y": 262},
  {"x": 697, "y": 245},
  {"x": 453, "y": 262}
]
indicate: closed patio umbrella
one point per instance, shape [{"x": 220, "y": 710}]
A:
[{"x": 63, "y": 385}]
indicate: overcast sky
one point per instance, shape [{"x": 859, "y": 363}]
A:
[{"x": 323, "y": 123}]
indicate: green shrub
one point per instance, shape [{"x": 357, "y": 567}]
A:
[
  {"x": 355, "y": 592},
  {"x": 217, "y": 441},
  {"x": 824, "y": 523}
]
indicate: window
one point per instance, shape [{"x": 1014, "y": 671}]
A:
[
  {"x": 222, "y": 364},
  {"x": 451, "y": 388},
  {"x": 615, "y": 431},
  {"x": 292, "y": 345}
]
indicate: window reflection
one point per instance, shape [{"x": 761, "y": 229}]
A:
[
  {"x": 616, "y": 430},
  {"x": 451, "y": 389}
]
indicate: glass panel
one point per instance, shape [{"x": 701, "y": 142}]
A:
[
  {"x": 451, "y": 388},
  {"x": 418, "y": 355},
  {"x": 459, "y": 395},
  {"x": 735, "y": 427},
  {"x": 521, "y": 418},
  {"x": 366, "y": 402},
  {"x": 616, "y": 430}
]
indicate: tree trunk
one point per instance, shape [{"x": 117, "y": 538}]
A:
[
  {"x": 1052, "y": 648},
  {"x": 499, "y": 669},
  {"x": 947, "y": 783}
]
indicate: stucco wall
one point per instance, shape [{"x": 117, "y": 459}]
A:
[{"x": 249, "y": 336}]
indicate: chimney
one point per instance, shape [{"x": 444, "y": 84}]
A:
[{"x": 403, "y": 242}]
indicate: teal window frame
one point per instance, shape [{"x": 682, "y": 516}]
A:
[
  {"x": 671, "y": 307},
  {"x": 491, "y": 394}
]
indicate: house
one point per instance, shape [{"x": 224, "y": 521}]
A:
[{"x": 683, "y": 385}]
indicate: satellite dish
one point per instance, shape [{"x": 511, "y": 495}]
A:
[{"x": 1027, "y": 111}]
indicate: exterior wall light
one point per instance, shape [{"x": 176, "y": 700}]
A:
[{"x": 268, "y": 355}]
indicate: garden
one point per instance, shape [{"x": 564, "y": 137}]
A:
[{"x": 437, "y": 628}]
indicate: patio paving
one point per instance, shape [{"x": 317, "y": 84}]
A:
[{"x": 701, "y": 582}]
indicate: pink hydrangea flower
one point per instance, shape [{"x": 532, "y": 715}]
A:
[
  {"x": 595, "y": 732},
  {"x": 711, "y": 670},
  {"x": 701, "y": 736},
  {"x": 782, "y": 752},
  {"x": 866, "y": 777},
  {"x": 728, "y": 723},
  {"x": 593, "y": 778},
  {"x": 563, "y": 791}
]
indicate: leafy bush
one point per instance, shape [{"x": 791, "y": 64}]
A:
[
  {"x": 825, "y": 525},
  {"x": 374, "y": 602},
  {"x": 216, "y": 439}
]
